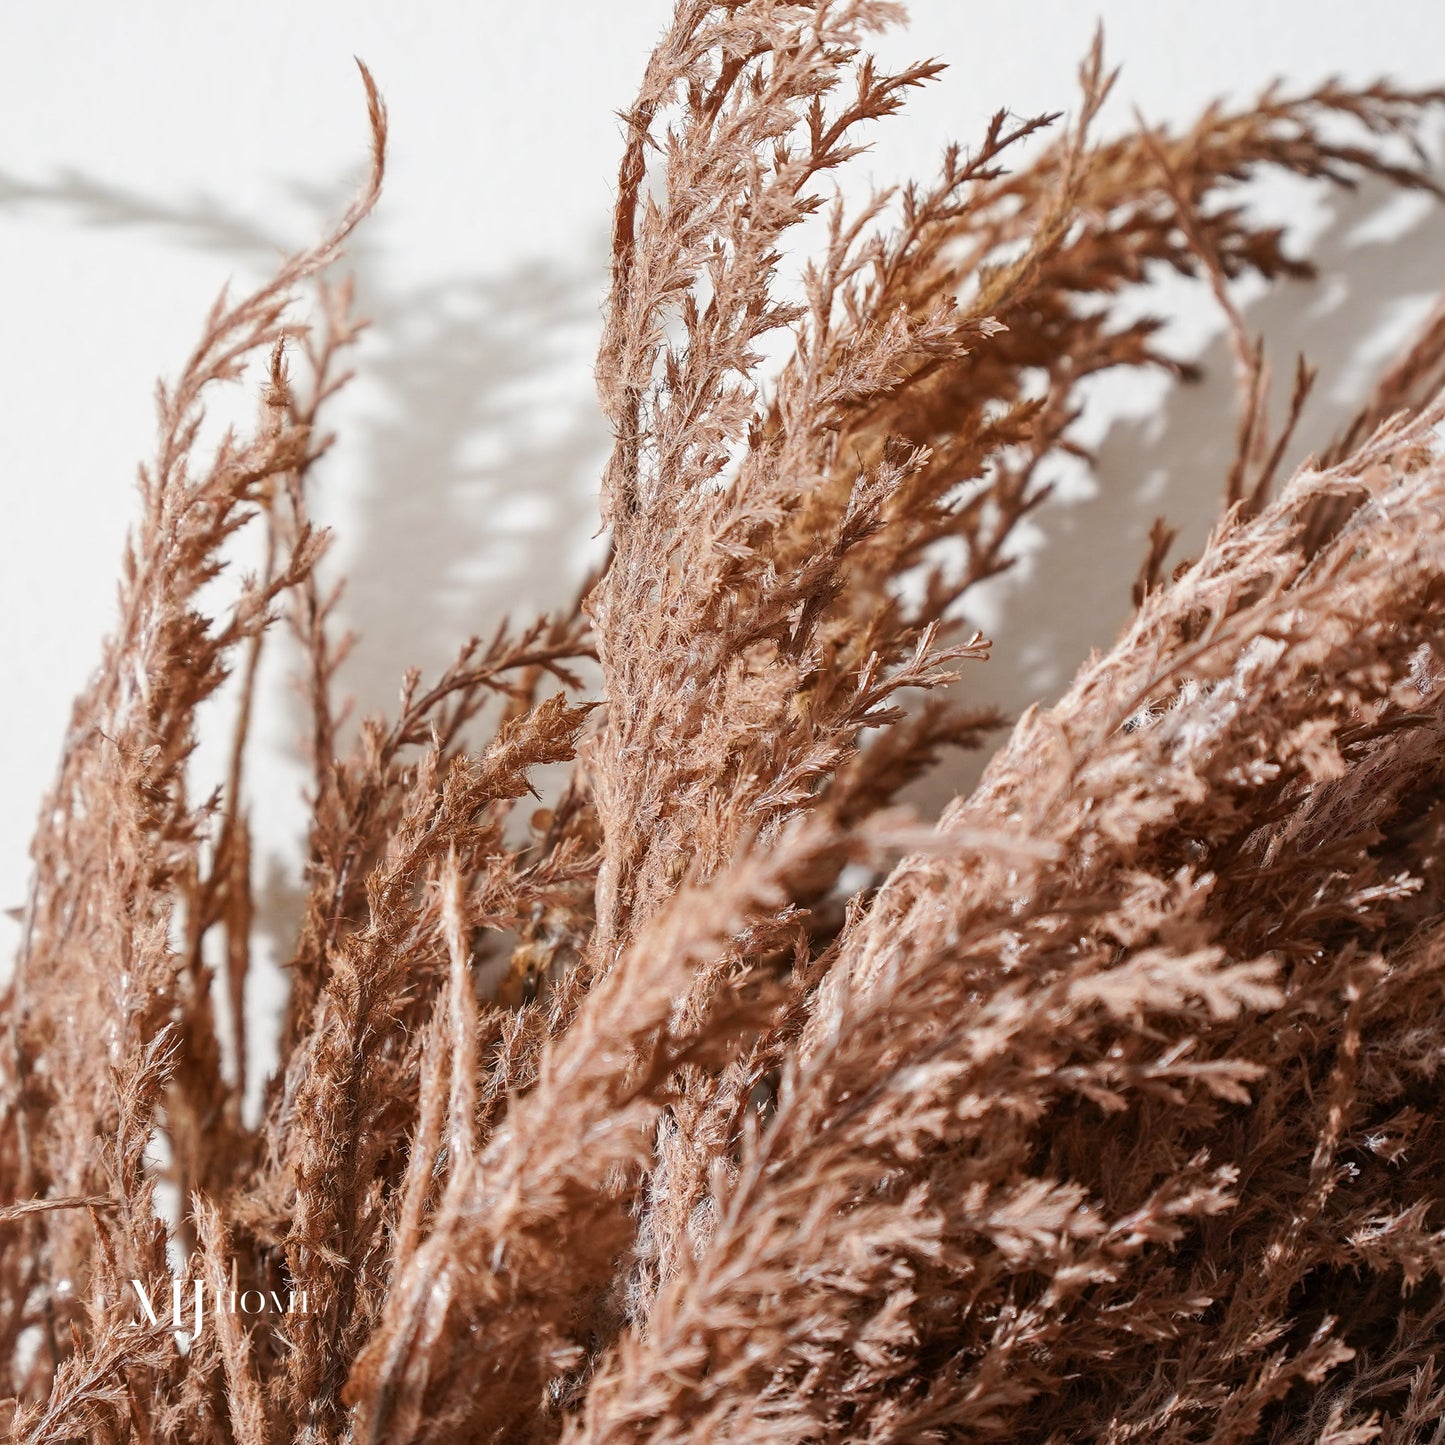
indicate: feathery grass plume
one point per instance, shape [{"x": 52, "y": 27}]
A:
[
  {"x": 1106, "y": 1109},
  {"x": 110, "y": 1024}
]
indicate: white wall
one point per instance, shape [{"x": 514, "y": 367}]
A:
[{"x": 152, "y": 151}]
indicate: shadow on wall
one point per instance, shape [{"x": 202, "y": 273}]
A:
[
  {"x": 464, "y": 484},
  {"x": 1072, "y": 592},
  {"x": 479, "y": 489},
  {"x": 470, "y": 468}
]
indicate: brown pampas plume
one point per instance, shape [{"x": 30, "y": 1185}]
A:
[{"x": 1105, "y": 1109}]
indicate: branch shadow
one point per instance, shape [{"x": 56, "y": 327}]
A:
[
  {"x": 479, "y": 497},
  {"x": 470, "y": 480}
]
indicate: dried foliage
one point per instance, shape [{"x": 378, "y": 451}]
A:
[{"x": 1106, "y": 1109}]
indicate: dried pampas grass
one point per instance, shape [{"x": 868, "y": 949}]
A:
[{"x": 1105, "y": 1110}]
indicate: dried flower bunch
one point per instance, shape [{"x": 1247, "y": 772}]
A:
[{"x": 1107, "y": 1109}]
